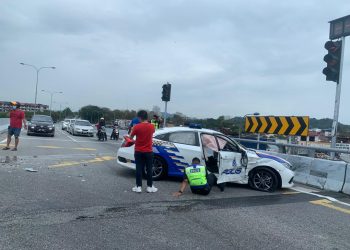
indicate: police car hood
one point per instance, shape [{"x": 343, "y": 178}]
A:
[{"x": 262, "y": 156}]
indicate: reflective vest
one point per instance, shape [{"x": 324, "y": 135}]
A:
[
  {"x": 155, "y": 123},
  {"x": 197, "y": 176}
]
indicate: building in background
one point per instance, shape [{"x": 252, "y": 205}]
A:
[{"x": 6, "y": 106}]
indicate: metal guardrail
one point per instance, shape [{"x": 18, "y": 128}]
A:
[{"x": 322, "y": 149}]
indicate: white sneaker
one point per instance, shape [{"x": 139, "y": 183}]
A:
[
  {"x": 137, "y": 189},
  {"x": 152, "y": 189}
]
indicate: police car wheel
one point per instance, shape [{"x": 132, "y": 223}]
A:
[
  {"x": 159, "y": 168},
  {"x": 263, "y": 179}
]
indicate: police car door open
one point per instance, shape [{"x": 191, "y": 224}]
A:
[{"x": 230, "y": 161}]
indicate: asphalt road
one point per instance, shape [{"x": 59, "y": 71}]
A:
[{"x": 80, "y": 199}]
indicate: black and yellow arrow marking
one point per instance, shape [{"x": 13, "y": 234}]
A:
[{"x": 281, "y": 125}]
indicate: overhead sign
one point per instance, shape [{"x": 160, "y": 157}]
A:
[
  {"x": 281, "y": 125},
  {"x": 339, "y": 27}
]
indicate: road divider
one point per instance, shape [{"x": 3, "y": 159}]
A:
[
  {"x": 320, "y": 173},
  {"x": 346, "y": 187}
]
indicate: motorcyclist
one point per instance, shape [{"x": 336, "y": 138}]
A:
[
  {"x": 115, "y": 132},
  {"x": 101, "y": 124}
]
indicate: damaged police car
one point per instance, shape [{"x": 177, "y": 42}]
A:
[{"x": 174, "y": 148}]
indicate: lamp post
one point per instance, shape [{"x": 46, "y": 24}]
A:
[
  {"x": 37, "y": 79},
  {"x": 63, "y": 103},
  {"x": 51, "y": 93},
  {"x": 255, "y": 114}
]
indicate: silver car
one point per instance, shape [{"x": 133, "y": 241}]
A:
[
  {"x": 65, "y": 124},
  {"x": 69, "y": 125},
  {"x": 82, "y": 127}
]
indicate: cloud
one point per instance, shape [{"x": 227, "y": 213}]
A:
[{"x": 222, "y": 57}]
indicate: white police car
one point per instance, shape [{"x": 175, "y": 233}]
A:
[{"x": 174, "y": 148}]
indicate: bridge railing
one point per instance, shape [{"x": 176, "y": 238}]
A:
[{"x": 283, "y": 146}]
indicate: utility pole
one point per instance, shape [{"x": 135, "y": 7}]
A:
[
  {"x": 337, "y": 100},
  {"x": 339, "y": 29}
]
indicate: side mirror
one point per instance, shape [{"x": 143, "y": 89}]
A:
[{"x": 244, "y": 159}]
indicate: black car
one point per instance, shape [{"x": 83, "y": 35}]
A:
[{"x": 41, "y": 124}]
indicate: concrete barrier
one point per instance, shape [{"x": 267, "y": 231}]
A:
[
  {"x": 346, "y": 187},
  {"x": 324, "y": 174}
]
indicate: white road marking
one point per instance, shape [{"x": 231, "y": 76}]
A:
[
  {"x": 304, "y": 190},
  {"x": 71, "y": 138},
  {"x": 4, "y": 140}
]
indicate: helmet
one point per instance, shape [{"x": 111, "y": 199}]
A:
[{"x": 102, "y": 118}]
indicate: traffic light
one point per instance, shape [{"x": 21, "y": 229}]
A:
[
  {"x": 166, "y": 92},
  {"x": 332, "y": 59}
]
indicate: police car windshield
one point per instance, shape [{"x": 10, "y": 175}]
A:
[{"x": 236, "y": 142}]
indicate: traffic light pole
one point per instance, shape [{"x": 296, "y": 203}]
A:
[
  {"x": 165, "y": 114},
  {"x": 337, "y": 100}
]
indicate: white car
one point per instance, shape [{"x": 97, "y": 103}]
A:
[
  {"x": 69, "y": 125},
  {"x": 65, "y": 124},
  {"x": 82, "y": 127},
  {"x": 174, "y": 148}
]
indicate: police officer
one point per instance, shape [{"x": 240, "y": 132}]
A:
[
  {"x": 198, "y": 178},
  {"x": 156, "y": 122}
]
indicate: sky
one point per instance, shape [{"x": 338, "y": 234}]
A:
[{"x": 222, "y": 57}]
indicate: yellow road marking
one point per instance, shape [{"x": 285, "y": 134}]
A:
[
  {"x": 85, "y": 149},
  {"x": 291, "y": 192},
  {"x": 329, "y": 204},
  {"x": 72, "y": 163},
  {"x": 48, "y": 146}
]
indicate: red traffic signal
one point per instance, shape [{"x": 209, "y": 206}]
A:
[{"x": 332, "y": 59}]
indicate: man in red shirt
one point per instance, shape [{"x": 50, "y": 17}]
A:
[
  {"x": 16, "y": 119},
  {"x": 143, "y": 151}
]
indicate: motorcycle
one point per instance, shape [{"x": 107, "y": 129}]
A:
[
  {"x": 115, "y": 133},
  {"x": 101, "y": 134}
]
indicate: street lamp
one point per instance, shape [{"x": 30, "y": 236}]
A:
[
  {"x": 37, "y": 78},
  {"x": 51, "y": 93},
  {"x": 66, "y": 105}
]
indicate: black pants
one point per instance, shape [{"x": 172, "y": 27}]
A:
[
  {"x": 144, "y": 161},
  {"x": 212, "y": 180}
]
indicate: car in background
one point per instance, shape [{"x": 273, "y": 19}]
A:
[
  {"x": 82, "y": 127},
  {"x": 69, "y": 125},
  {"x": 174, "y": 148},
  {"x": 65, "y": 124},
  {"x": 41, "y": 125}
]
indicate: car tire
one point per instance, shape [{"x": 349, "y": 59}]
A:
[
  {"x": 263, "y": 179},
  {"x": 161, "y": 169}
]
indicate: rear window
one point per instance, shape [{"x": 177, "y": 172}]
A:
[
  {"x": 39, "y": 118},
  {"x": 82, "y": 123},
  {"x": 188, "y": 138}
]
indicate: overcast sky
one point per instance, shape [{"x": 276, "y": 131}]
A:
[{"x": 221, "y": 57}]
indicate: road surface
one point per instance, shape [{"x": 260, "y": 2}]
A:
[{"x": 80, "y": 199}]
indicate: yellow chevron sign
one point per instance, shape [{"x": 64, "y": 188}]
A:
[{"x": 281, "y": 125}]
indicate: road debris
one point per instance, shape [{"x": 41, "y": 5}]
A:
[{"x": 30, "y": 170}]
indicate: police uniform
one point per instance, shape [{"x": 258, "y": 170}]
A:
[
  {"x": 199, "y": 180},
  {"x": 155, "y": 123}
]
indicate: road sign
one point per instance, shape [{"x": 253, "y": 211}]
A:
[
  {"x": 281, "y": 125},
  {"x": 339, "y": 27}
]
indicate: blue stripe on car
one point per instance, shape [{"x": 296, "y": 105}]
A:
[{"x": 275, "y": 158}]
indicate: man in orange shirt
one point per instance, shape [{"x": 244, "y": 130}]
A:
[
  {"x": 16, "y": 119},
  {"x": 143, "y": 151}
]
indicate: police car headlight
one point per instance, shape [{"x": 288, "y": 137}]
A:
[{"x": 287, "y": 165}]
